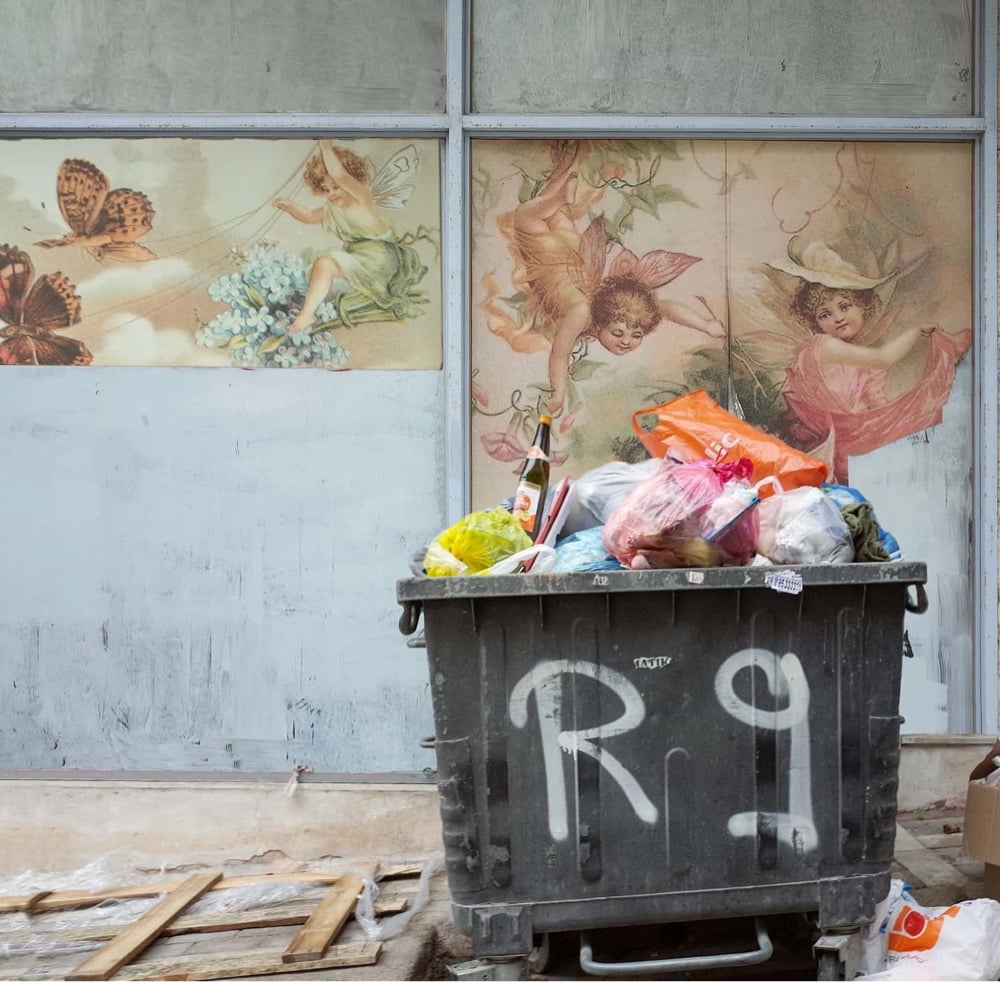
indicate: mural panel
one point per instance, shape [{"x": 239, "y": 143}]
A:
[
  {"x": 251, "y": 253},
  {"x": 821, "y": 290}
]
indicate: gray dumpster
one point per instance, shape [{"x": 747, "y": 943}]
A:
[{"x": 646, "y": 747}]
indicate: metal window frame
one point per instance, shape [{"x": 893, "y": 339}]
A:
[{"x": 458, "y": 125}]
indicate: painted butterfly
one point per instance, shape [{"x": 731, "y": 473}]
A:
[
  {"x": 102, "y": 221},
  {"x": 32, "y": 309}
]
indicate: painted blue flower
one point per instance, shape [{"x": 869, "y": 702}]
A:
[
  {"x": 257, "y": 320},
  {"x": 227, "y": 288}
]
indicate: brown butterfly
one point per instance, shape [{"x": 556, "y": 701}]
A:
[
  {"x": 105, "y": 223},
  {"x": 32, "y": 309}
]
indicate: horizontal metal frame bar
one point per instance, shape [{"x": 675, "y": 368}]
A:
[
  {"x": 730, "y": 127},
  {"x": 208, "y": 125}
]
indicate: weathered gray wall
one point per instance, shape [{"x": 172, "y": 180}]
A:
[
  {"x": 198, "y": 567},
  {"x": 222, "y": 56},
  {"x": 890, "y": 57}
]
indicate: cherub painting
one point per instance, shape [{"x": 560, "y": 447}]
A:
[
  {"x": 836, "y": 381},
  {"x": 379, "y": 266},
  {"x": 216, "y": 275},
  {"x": 856, "y": 326},
  {"x": 590, "y": 269},
  {"x": 578, "y": 286}
]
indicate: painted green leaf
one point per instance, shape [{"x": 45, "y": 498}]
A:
[
  {"x": 237, "y": 341},
  {"x": 584, "y": 369},
  {"x": 254, "y": 295},
  {"x": 269, "y": 344}
]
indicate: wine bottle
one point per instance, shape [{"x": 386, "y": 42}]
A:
[{"x": 533, "y": 484}]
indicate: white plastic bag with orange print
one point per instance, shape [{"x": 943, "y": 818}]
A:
[{"x": 957, "y": 942}]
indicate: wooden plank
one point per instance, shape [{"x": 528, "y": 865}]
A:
[
  {"x": 200, "y": 968},
  {"x": 398, "y": 871},
  {"x": 140, "y": 934},
  {"x": 71, "y": 899},
  {"x": 315, "y": 935},
  {"x": 290, "y": 914}
]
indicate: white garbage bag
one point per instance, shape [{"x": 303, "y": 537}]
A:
[{"x": 957, "y": 942}]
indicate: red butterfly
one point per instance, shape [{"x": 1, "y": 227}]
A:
[{"x": 32, "y": 309}]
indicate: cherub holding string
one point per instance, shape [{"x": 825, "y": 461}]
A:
[
  {"x": 841, "y": 336},
  {"x": 579, "y": 285},
  {"x": 380, "y": 266}
]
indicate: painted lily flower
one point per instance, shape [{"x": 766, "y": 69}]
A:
[
  {"x": 479, "y": 397},
  {"x": 506, "y": 446},
  {"x": 567, "y": 421}
]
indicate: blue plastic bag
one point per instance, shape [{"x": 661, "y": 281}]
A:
[{"x": 583, "y": 552}]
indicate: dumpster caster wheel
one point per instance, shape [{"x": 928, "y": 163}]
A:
[
  {"x": 829, "y": 966},
  {"x": 838, "y": 954},
  {"x": 488, "y": 970},
  {"x": 540, "y": 956}
]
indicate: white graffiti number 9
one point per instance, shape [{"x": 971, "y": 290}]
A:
[{"x": 785, "y": 681}]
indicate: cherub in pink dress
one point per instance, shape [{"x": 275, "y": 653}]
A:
[
  {"x": 835, "y": 388},
  {"x": 572, "y": 291}
]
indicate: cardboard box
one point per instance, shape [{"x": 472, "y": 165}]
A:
[{"x": 981, "y": 836}]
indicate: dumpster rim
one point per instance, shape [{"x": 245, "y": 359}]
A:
[{"x": 639, "y": 581}]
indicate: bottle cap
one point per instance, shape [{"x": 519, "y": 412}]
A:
[{"x": 547, "y": 420}]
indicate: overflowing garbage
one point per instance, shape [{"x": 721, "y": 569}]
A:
[{"x": 716, "y": 492}]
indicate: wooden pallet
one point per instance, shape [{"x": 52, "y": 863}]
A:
[{"x": 313, "y": 947}]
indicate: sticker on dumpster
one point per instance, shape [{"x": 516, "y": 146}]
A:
[
  {"x": 784, "y": 581},
  {"x": 695, "y": 576},
  {"x": 656, "y": 661}
]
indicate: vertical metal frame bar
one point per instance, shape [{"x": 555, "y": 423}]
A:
[
  {"x": 455, "y": 260},
  {"x": 985, "y": 474}
]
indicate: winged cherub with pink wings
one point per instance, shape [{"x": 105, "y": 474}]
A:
[{"x": 571, "y": 290}]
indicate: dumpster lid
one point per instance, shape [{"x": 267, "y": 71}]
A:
[{"x": 628, "y": 581}]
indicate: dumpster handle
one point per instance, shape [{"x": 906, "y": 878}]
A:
[
  {"x": 762, "y": 953},
  {"x": 410, "y": 618},
  {"x": 920, "y": 605}
]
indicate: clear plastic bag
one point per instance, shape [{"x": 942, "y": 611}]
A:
[
  {"x": 600, "y": 491},
  {"x": 803, "y": 526}
]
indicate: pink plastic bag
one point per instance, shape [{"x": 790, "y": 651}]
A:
[{"x": 669, "y": 520}]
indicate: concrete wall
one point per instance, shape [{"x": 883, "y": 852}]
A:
[
  {"x": 224, "y": 56},
  {"x": 891, "y": 57},
  {"x": 199, "y": 567}
]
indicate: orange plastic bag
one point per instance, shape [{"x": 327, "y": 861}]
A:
[{"x": 694, "y": 426}]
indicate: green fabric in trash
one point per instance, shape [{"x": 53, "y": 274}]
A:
[{"x": 865, "y": 533}]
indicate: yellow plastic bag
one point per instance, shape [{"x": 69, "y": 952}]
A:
[{"x": 475, "y": 543}]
